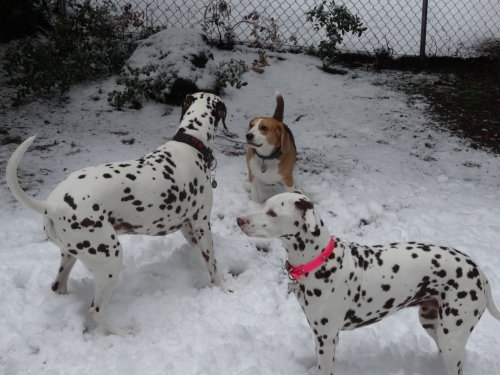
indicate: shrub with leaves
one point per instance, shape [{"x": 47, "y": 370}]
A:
[
  {"x": 171, "y": 64},
  {"x": 216, "y": 23},
  {"x": 89, "y": 43},
  {"x": 220, "y": 27},
  {"x": 230, "y": 72},
  {"x": 336, "y": 20},
  {"x": 140, "y": 84}
]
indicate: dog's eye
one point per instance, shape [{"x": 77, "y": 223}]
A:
[
  {"x": 264, "y": 128},
  {"x": 271, "y": 213}
]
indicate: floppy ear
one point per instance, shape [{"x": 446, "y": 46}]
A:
[
  {"x": 306, "y": 207},
  {"x": 220, "y": 113},
  {"x": 186, "y": 104},
  {"x": 287, "y": 142}
]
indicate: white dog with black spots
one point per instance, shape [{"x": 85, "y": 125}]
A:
[
  {"x": 343, "y": 286},
  {"x": 164, "y": 191}
]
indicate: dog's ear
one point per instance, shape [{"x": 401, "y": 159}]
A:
[
  {"x": 306, "y": 207},
  {"x": 287, "y": 142},
  {"x": 220, "y": 113},
  {"x": 186, "y": 104},
  {"x": 280, "y": 108}
]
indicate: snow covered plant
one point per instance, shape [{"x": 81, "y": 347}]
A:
[
  {"x": 171, "y": 64},
  {"x": 336, "y": 20}
]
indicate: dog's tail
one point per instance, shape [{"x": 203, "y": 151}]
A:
[
  {"x": 490, "y": 303},
  {"x": 279, "y": 111},
  {"x": 13, "y": 183}
]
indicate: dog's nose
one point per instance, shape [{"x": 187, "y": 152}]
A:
[
  {"x": 240, "y": 221},
  {"x": 249, "y": 136}
]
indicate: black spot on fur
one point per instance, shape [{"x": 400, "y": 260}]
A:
[
  {"x": 303, "y": 205},
  {"x": 70, "y": 201}
]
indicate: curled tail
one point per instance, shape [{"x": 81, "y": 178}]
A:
[
  {"x": 280, "y": 107},
  {"x": 490, "y": 303},
  {"x": 13, "y": 183}
]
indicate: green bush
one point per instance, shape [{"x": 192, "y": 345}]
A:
[
  {"x": 149, "y": 83},
  {"x": 230, "y": 72},
  {"x": 336, "y": 20},
  {"x": 140, "y": 84},
  {"x": 91, "y": 42}
]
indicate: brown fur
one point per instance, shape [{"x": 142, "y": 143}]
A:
[{"x": 276, "y": 135}]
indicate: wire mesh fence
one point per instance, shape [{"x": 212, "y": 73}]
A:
[{"x": 453, "y": 27}]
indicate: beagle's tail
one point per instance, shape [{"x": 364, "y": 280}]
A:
[
  {"x": 13, "y": 183},
  {"x": 279, "y": 112}
]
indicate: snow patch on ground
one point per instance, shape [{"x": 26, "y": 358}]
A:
[{"x": 369, "y": 158}]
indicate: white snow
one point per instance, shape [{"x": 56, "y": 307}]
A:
[
  {"x": 170, "y": 53},
  {"x": 367, "y": 154}
]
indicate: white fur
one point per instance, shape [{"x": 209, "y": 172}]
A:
[
  {"x": 166, "y": 190},
  {"x": 359, "y": 285}
]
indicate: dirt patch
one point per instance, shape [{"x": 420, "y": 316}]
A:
[{"x": 464, "y": 97}]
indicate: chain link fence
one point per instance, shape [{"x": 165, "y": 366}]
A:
[{"x": 401, "y": 27}]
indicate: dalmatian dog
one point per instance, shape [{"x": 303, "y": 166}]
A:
[
  {"x": 164, "y": 191},
  {"x": 343, "y": 286}
]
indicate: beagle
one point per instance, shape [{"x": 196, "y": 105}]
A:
[{"x": 271, "y": 154}]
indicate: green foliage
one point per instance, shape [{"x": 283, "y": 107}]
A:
[
  {"x": 145, "y": 83},
  {"x": 166, "y": 87},
  {"x": 230, "y": 72},
  {"x": 89, "y": 43},
  {"x": 336, "y": 20}
]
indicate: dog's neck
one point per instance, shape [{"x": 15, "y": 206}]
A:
[
  {"x": 201, "y": 128},
  {"x": 305, "y": 246},
  {"x": 275, "y": 154}
]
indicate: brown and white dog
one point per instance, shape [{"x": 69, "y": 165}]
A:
[{"x": 271, "y": 154}]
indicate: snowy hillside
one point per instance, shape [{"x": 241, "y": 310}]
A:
[{"x": 371, "y": 160}]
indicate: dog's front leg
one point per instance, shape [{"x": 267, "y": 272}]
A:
[
  {"x": 325, "y": 350},
  {"x": 255, "y": 191},
  {"x": 202, "y": 237}
]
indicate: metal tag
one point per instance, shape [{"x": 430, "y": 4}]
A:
[
  {"x": 263, "y": 167},
  {"x": 293, "y": 286},
  {"x": 214, "y": 183}
]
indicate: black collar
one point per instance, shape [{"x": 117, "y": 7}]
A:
[
  {"x": 275, "y": 155},
  {"x": 198, "y": 145}
]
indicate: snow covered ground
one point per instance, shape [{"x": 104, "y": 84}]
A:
[{"x": 371, "y": 160}]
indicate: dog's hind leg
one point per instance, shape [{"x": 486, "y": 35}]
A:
[
  {"x": 101, "y": 253},
  {"x": 428, "y": 316},
  {"x": 452, "y": 335},
  {"x": 60, "y": 284}
]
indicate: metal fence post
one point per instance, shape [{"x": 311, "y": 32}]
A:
[{"x": 423, "y": 29}]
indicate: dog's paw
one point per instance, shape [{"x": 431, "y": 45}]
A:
[{"x": 57, "y": 288}]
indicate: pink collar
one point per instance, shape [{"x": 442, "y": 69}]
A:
[{"x": 297, "y": 272}]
